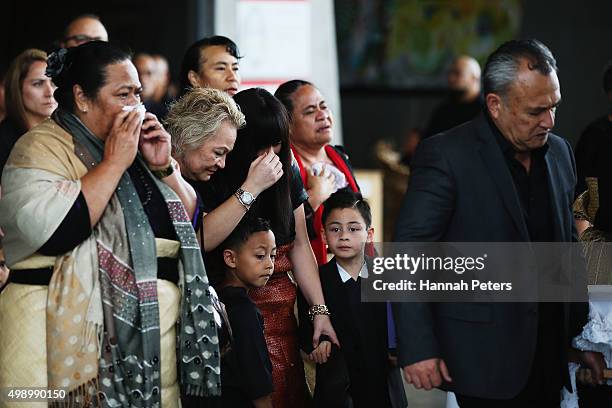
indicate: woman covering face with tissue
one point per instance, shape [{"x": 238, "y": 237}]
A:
[{"x": 104, "y": 260}]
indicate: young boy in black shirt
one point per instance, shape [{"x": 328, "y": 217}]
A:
[{"x": 246, "y": 370}]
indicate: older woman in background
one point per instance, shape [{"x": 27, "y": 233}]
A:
[
  {"x": 324, "y": 168},
  {"x": 104, "y": 259},
  {"x": 29, "y": 99}
]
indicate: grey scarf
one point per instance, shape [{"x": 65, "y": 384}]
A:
[{"x": 129, "y": 369}]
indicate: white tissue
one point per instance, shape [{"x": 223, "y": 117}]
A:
[
  {"x": 140, "y": 108},
  {"x": 341, "y": 182}
]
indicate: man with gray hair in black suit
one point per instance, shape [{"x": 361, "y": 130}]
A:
[{"x": 502, "y": 177}]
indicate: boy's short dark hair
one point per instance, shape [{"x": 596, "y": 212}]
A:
[
  {"x": 347, "y": 199},
  {"x": 245, "y": 228}
]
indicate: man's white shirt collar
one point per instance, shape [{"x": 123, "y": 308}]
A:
[{"x": 345, "y": 276}]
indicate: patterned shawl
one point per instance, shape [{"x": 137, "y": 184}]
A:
[{"x": 102, "y": 311}]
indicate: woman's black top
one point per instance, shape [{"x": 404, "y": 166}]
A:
[{"x": 213, "y": 196}]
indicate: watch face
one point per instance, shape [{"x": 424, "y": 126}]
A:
[{"x": 247, "y": 197}]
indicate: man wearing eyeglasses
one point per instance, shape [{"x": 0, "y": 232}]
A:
[{"x": 84, "y": 28}]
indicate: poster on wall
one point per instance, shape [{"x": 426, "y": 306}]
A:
[
  {"x": 274, "y": 38},
  {"x": 410, "y": 43}
]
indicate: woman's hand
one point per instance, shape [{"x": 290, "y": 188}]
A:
[
  {"x": 155, "y": 143},
  {"x": 320, "y": 187},
  {"x": 264, "y": 171},
  {"x": 322, "y": 325},
  {"x": 121, "y": 145}
]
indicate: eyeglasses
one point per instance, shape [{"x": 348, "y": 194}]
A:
[{"x": 82, "y": 38}]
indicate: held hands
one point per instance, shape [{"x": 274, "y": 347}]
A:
[
  {"x": 320, "y": 186},
  {"x": 322, "y": 325},
  {"x": 321, "y": 353},
  {"x": 427, "y": 374},
  {"x": 264, "y": 171},
  {"x": 155, "y": 143}
]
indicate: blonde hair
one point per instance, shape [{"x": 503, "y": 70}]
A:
[
  {"x": 13, "y": 83},
  {"x": 198, "y": 115}
]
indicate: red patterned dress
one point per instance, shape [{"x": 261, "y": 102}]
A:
[{"x": 275, "y": 301}]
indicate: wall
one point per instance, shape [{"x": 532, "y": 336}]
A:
[
  {"x": 322, "y": 52},
  {"x": 579, "y": 35},
  {"x": 138, "y": 25}
]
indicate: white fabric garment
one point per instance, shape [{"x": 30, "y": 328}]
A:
[
  {"x": 345, "y": 276},
  {"x": 596, "y": 336}
]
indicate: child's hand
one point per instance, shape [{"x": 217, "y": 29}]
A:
[{"x": 321, "y": 353}]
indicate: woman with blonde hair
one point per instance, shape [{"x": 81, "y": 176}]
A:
[
  {"x": 29, "y": 98},
  {"x": 260, "y": 179}
]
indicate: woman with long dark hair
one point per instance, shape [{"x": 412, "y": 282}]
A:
[{"x": 265, "y": 138}]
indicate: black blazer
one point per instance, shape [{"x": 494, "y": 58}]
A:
[
  {"x": 363, "y": 344},
  {"x": 462, "y": 191}
]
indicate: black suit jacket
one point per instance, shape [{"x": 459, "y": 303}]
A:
[
  {"x": 462, "y": 191},
  {"x": 363, "y": 345}
]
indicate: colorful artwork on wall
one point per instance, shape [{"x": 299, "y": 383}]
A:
[{"x": 410, "y": 43}]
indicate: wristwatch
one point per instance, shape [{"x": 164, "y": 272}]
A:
[{"x": 245, "y": 198}]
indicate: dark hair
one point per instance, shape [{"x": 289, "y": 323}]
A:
[
  {"x": 80, "y": 17},
  {"x": 193, "y": 57},
  {"x": 85, "y": 66},
  {"x": 502, "y": 65},
  {"x": 607, "y": 79},
  {"x": 286, "y": 90},
  {"x": 267, "y": 124},
  {"x": 347, "y": 199},
  {"x": 248, "y": 226}
]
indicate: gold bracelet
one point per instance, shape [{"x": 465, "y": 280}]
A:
[{"x": 318, "y": 310}]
